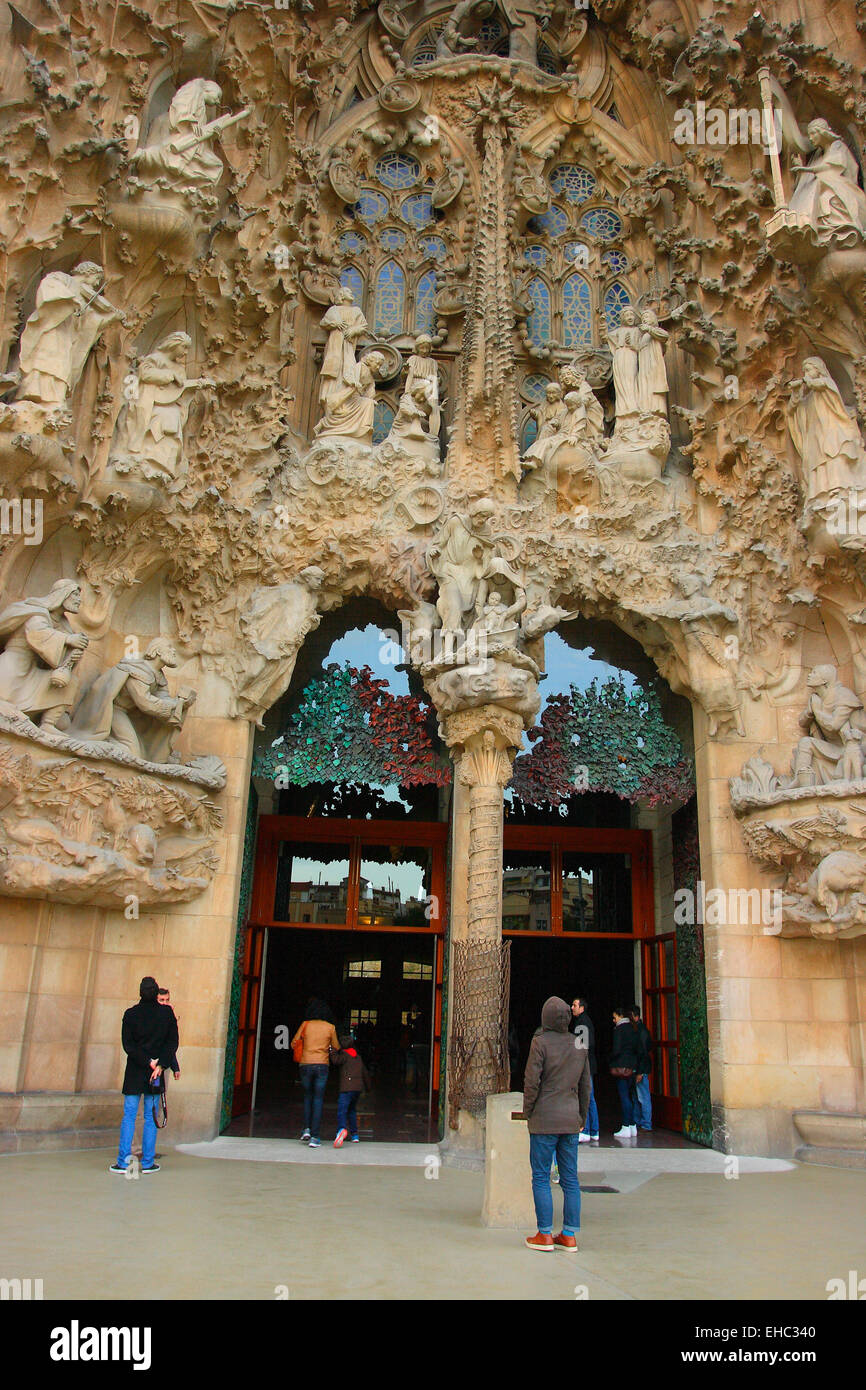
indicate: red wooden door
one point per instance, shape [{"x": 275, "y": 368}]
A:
[
  {"x": 661, "y": 1016},
  {"x": 248, "y": 1018}
]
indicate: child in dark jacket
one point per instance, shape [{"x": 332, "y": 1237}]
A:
[{"x": 354, "y": 1078}]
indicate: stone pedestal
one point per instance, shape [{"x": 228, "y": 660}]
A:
[{"x": 507, "y": 1176}]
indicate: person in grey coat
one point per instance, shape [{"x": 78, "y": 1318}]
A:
[{"x": 555, "y": 1102}]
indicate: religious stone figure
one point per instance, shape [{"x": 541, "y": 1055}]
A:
[
  {"x": 453, "y": 41},
  {"x": 69, "y": 317},
  {"x": 834, "y": 721},
  {"x": 40, "y": 653},
  {"x": 457, "y": 559},
  {"x": 275, "y": 622},
  {"x": 549, "y": 417},
  {"x": 181, "y": 152},
  {"x": 350, "y": 409},
  {"x": 410, "y": 430},
  {"x": 825, "y": 436},
  {"x": 584, "y": 419},
  {"x": 827, "y": 191},
  {"x": 652, "y": 378},
  {"x": 345, "y": 324},
  {"x": 130, "y": 704},
  {"x": 422, "y": 368},
  {"x": 151, "y": 436},
  {"x": 625, "y": 344}
]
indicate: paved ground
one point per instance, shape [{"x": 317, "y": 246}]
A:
[{"x": 239, "y": 1230}]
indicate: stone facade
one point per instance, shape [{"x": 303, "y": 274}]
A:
[{"x": 495, "y": 314}]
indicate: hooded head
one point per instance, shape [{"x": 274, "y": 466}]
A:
[{"x": 556, "y": 1015}]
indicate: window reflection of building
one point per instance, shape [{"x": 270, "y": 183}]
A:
[
  {"x": 526, "y": 899},
  {"x": 317, "y": 902},
  {"x": 578, "y": 907}
]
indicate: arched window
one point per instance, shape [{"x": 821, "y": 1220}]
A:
[
  {"x": 538, "y": 323},
  {"x": 397, "y": 171},
  {"x": 615, "y": 300},
  {"x": 383, "y": 419},
  {"x": 390, "y": 299},
  {"x": 425, "y": 314},
  {"x": 352, "y": 279},
  {"x": 576, "y": 312},
  {"x": 573, "y": 182}
]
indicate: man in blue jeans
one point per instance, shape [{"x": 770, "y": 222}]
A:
[
  {"x": 149, "y": 1037},
  {"x": 642, "y": 1081},
  {"x": 555, "y": 1102}
]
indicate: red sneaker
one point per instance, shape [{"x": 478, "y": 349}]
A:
[
  {"x": 341, "y": 1135},
  {"x": 540, "y": 1242},
  {"x": 566, "y": 1243}
]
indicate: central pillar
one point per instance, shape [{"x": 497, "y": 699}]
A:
[{"x": 483, "y": 743}]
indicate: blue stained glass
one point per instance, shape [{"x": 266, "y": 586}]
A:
[
  {"x": 389, "y": 300},
  {"x": 576, "y": 312},
  {"x": 371, "y": 207},
  {"x": 434, "y": 247},
  {"x": 383, "y": 419},
  {"x": 536, "y": 255},
  {"x": 577, "y": 184},
  {"x": 554, "y": 222},
  {"x": 353, "y": 278},
  {"x": 615, "y": 261},
  {"x": 491, "y": 37},
  {"x": 576, "y": 251},
  {"x": 417, "y": 210},
  {"x": 397, "y": 171},
  {"x": 602, "y": 223},
  {"x": 425, "y": 314},
  {"x": 538, "y": 322},
  {"x": 352, "y": 242},
  {"x": 546, "y": 60},
  {"x": 615, "y": 300},
  {"x": 529, "y": 436},
  {"x": 426, "y": 49},
  {"x": 392, "y": 239},
  {"x": 534, "y": 386}
]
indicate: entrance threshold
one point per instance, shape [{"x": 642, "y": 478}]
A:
[{"x": 377, "y": 1155}]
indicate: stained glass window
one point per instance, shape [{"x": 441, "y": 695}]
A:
[
  {"x": 615, "y": 300},
  {"x": 615, "y": 261},
  {"x": 392, "y": 239},
  {"x": 554, "y": 222},
  {"x": 602, "y": 223},
  {"x": 536, "y": 255},
  {"x": 576, "y": 251},
  {"x": 389, "y": 299},
  {"x": 352, "y": 278},
  {"x": 417, "y": 210},
  {"x": 371, "y": 207},
  {"x": 425, "y": 314},
  {"x": 534, "y": 386},
  {"x": 546, "y": 60},
  {"x": 397, "y": 171},
  {"x": 352, "y": 242},
  {"x": 529, "y": 435},
  {"x": 576, "y": 312},
  {"x": 538, "y": 322},
  {"x": 575, "y": 183},
  {"x": 434, "y": 247},
  {"x": 426, "y": 49},
  {"x": 383, "y": 419},
  {"x": 492, "y": 38}
]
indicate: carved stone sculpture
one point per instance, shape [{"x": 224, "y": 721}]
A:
[
  {"x": 832, "y": 747},
  {"x": 350, "y": 409},
  {"x": 422, "y": 369},
  {"x": 345, "y": 324},
  {"x": 181, "y": 152},
  {"x": 131, "y": 705},
  {"x": 40, "y": 654},
  {"x": 150, "y": 437},
  {"x": 411, "y": 430},
  {"x": 652, "y": 379},
  {"x": 625, "y": 344},
  {"x": 69, "y": 317},
  {"x": 275, "y": 622},
  {"x": 827, "y": 192},
  {"x": 828, "y": 442}
]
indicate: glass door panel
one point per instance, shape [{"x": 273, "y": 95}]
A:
[
  {"x": 526, "y": 899},
  {"x": 312, "y": 883}
]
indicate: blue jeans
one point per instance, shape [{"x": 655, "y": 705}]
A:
[
  {"x": 591, "y": 1126},
  {"x": 127, "y": 1129},
  {"x": 314, "y": 1079},
  {"x": 542, "y": 1148},
  {"x": 644, "y": 1104},
  {"x": 347, "y": 1112},
  {"x": 625, "y": 1086}
]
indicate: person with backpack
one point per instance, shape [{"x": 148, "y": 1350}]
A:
[
  {"x": 150, "y": 1041},
  {"x": 354, "y": 1078}
]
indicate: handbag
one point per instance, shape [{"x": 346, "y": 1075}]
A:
[
  {"x": 621, "y": 1071},
  {"x": 298, "y": 1045}
]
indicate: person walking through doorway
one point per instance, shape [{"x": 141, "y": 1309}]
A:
[
  {"x": 555, "y": 1101},
  {"x": 644, "y": 1117},
  {"x": 583, "y": 1021},
  {"x": 354, "y": 1078},
  {"x": 317, "y": 1035},
  {"x": 624, "y": 1058}
]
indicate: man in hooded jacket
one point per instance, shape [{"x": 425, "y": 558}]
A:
[{"x": 555, "y": 1102}]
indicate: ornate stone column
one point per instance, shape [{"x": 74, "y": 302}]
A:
[{"x": 483, "y": 743}]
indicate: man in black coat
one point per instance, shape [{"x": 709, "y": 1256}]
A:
[
  {"x": 583, "y": 1021},
  {"x": 642, "y": 1081},
  {"x": 149, "y": 1037},
  {"x": 555, "y": 1101}
]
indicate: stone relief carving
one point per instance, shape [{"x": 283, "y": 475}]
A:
[
  {"x": 40, "y": 654},
  {"x": 69, "y": 317},
  {"x": 149, "y": 442},
  {"x": 130, "y": 705},
  {"x": 831, "y": 450}
]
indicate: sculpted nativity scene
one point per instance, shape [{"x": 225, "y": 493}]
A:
[{"x": 432, "y": 312}]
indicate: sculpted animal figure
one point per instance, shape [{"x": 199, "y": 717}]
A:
[{"x": 839, "y": 872}]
